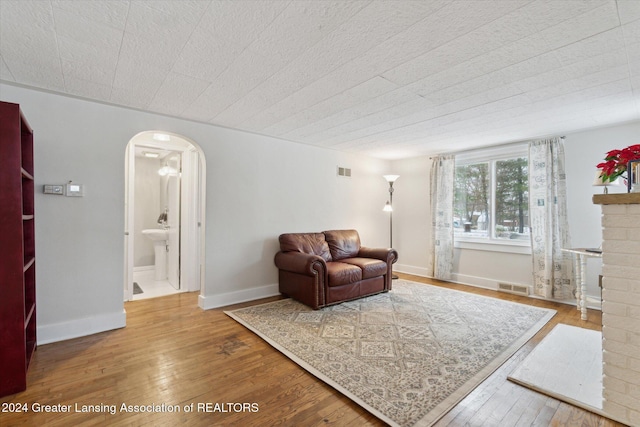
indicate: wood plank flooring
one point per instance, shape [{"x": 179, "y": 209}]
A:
[{"x": 176, "y": 354}]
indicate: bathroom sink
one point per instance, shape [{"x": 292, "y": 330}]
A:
[{"x": 156, "y": 234}]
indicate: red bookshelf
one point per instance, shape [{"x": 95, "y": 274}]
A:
[{"x": 17, "y": 246}]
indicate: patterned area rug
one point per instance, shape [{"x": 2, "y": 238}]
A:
[{"x": 406, "y": 356}]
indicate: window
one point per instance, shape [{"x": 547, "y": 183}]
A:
[{"x": 491, "y": 200}]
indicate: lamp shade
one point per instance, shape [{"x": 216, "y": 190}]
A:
[
  {"x": 388, "y": 207},
  {"x": 391, "y": 178}
]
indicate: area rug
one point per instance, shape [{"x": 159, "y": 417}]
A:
[
  {"x": 406, "y": 356},
  {"x": 566, "y": 365}
]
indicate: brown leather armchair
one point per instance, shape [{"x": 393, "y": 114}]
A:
[{"x": 321, "y": 269}]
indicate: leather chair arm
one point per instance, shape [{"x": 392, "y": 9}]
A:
[
  {"x": 297, "y": 262},
  {"x": 383, "y": 254}
]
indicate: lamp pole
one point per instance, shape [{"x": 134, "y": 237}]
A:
[
  {"x": 391, "y": 214},
  {"x": 388, "y": 207}
]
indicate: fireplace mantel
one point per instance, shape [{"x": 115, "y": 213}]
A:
[{"x": 616, "y": 199}]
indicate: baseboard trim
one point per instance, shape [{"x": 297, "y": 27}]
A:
[
  {"x": 207, "y": 302},
  {"x": 593, "y": 302},
  {"x": 410, "y": 269},
  {"x": 81, "y": 327}
]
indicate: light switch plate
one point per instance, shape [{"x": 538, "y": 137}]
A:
[{"x": 53, "y": 189}]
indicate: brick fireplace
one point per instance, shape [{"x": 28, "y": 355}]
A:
[{"x": 621, "y": 305}]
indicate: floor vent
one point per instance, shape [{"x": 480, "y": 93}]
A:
[
  {"x": 513, "y": 289},
  {"x": 346, "y": 172}
]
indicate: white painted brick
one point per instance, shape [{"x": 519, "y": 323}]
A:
[
  {"x": 634, "y": 234},
  {"x": 615, "y": 359},
  {"x": 621, "y": 374},
  {"x": 615, "y": 384},
  {"x": 616, "y": 308},
  {"x": 621, "y": 322},
  {"x": 627, "y": 347},
  {"x": 613, "y": 233},
  {"x": 619, "y": 247},
  {"x": 620, "y": 221},
  {"x": 623, "y": 259},
  {"x": 614, "y": 334},
  {"x": 617, "y": 411},
  {"x": 619, "y": 296},
  {"x": 620, "y": 398},
  {"x": 621, "y": 311},
  {"x": 633, "y": 390},
  {"x": 614, "y": 283},
  {"x": 634, "y": 340},
  {"x": 618, "y": 283},
  {"x": 614, "y": 210}
]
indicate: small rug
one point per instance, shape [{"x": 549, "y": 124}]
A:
[
  {"x": 137, "y": 289},
  {"x": 406, "y": 356},
  {"x": 566, "y": 365}
]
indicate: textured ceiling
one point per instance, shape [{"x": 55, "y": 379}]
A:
[{"x": 390, "y": 79}]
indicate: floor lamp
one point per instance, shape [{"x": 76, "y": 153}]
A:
[{"x": 388, "y": 207}]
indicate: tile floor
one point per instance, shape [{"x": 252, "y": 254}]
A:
[{"x": 152, "y": 288}]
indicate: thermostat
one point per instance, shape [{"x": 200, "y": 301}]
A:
[{"x": 74, "y": 190}]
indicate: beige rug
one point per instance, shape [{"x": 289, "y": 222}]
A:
[{"x": 407, "y": 356}]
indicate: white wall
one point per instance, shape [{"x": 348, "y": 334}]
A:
[
  {"x": 257, "y": 187},
  {"x": 412, "y": 217},
  {"x": 147, "y": 208}
]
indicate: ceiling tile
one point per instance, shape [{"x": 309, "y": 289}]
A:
[
  {"x": 595, "y": 21},
  {"x": 176, "y": 93},
  {"x": 629, "y": 10},
  {"x": 111, "y": 13},
  {"x": 331, "y": 105},
  {"x": 37, "y": 38},
  {"x": 43, "y": 71},
  {"x": 384, "y": 78}
]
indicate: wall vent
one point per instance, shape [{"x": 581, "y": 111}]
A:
[
  {"x": 513, "y": 289},
  {"x": 346, "y": 172}
]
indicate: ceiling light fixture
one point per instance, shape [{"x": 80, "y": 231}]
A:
[
  {"x": 161, "y": 137},
  {"x": 151, "y": 154}
]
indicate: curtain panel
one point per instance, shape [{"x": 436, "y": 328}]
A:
[
  {"x": 552, "y": 268},
  {"x": 442, "y": 190}
]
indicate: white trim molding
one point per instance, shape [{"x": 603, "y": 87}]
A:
[
  {"x": 81, "y": 327},
  {"x": 207, "y": 302}
]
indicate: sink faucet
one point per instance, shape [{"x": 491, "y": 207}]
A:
[{"x": 162, "y": 219}]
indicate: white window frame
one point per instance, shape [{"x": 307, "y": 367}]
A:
[{"x": 491, "y": 156}]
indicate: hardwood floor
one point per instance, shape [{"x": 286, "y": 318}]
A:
[{"x": 173, "y": 353}]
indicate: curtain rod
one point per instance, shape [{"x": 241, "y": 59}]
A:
[{"x": 485, "y": 148}]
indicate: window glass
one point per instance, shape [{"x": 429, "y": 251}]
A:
[
  {"x": 491, "y": 200},
  {"x": 512, "y": 199},
  {"x": 471, "y": 202}
]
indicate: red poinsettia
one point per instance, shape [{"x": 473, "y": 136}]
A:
[{"x": 615, "y": 163}]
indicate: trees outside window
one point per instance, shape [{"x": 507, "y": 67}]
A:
[{"x": 491, "y": 200}]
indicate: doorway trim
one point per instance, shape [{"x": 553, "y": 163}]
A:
[{"x": 192, "y": 227}]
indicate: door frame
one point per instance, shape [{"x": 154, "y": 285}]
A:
[{"x": 192, "y": 226}]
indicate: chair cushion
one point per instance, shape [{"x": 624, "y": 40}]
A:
[
  {"x": 307, "y": 243},
  {"x": 341, "y": 273},
  {"x": 343, "y": 243},
  {"x": 370, "y": 267}
]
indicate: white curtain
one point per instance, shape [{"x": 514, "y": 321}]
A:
[
  {"x": 442, "y": 189},
  {"x": 548, "y": 218}
]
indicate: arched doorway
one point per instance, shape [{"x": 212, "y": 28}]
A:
[{"x": 164, "y": 215}]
